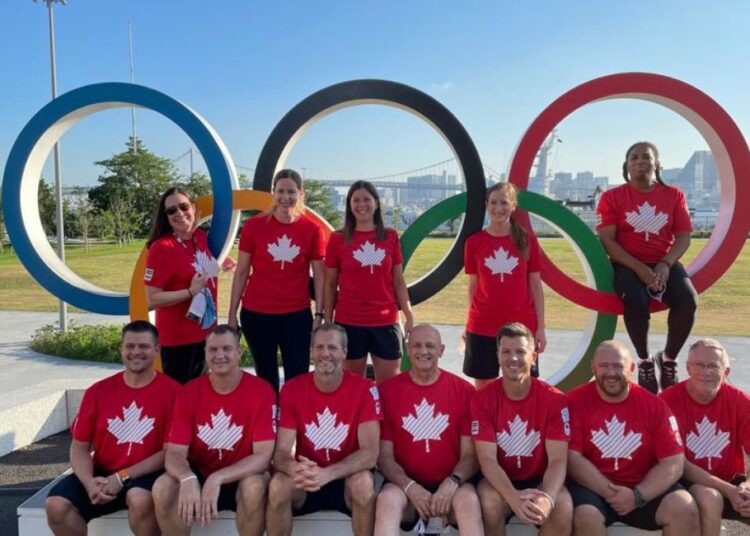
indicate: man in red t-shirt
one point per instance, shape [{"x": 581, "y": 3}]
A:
[
  {"x": 426, "y": 452},
  {"x": 124, "y": 420},
  {"x": 521, "y": 430},
  {"x": 333, "y": 417},
  {"x": 625, "y": 453},
  {"x": 220, "y": 444},
  {"x": 714, "y": 421}
]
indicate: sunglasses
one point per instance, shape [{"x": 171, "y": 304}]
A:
[{"x": 182, "y": 207}]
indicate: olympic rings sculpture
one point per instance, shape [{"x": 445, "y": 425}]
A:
[{"x": 730, "y": 150}]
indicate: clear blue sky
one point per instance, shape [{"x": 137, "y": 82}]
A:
[{"x": 243, "y": 64}]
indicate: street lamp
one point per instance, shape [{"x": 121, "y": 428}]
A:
[{"x": 58, "y": 173}]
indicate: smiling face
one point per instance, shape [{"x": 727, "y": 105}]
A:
[
  {"x": 707, "y": 369},
  {"x": 500, "y": 205},
  {"x": 516, "y": 356},
  {"x": 223, "y": 354},
  {"x": 138, "y": 351},
  {"x": 180, "y": 213},
  {"x": 642, "y": 163},
  {"x": 328, "y": 352},
  {"x": 363, "y": 206},
  {"x": 425, "y": 348},
  {"x": 287, "y": 197},
  {"x": 613, "y": 371}
]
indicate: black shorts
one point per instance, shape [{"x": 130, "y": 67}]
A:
[
  {"x": 480, "y": 357},
  {"x": 381, "y": 341},
  {"x": 643, "y": 518},
  {"x": 185, "y": 362},
  {"x": 70, "y": 488},
  {"x": 729, "y": 512},
  {"x": 329, "y": 497},
  {"x": 227, "y": 492}
]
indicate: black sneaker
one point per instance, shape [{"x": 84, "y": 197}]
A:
[
  {"x": 647, "y": 375},
  {"x": 667, "y": 371}
]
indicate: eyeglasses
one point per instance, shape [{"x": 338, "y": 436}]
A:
[
  {"x": 182, "y": 207},
  {"x": 709, "y": 367}
]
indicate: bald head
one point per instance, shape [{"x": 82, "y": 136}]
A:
[{"x": 427, "y": 330}]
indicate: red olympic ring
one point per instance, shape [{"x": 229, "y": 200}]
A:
[{"x": 724, "y": 138}]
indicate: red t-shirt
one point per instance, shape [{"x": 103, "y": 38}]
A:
[
  {"x": 716, "y": 433},
  {"x": 366, "y": 295},
  {"x": 425, "y": 424},
  {"x": 171, "y": 265},
  {"x": 280, "y": 255},
  {"x": 125, "y": 425},
  {"x": 503, "y": 294},
  {"x": 646, "y": 222},
  {"x": 220, "y": 429},
  {"x": 520, "y": 428},
  {"x": 327, "y": 423},
  {"x": 624, "y": 440}
]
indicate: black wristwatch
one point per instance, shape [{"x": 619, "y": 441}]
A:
[
  {"x": 457, "y": 479},
  {"x": 639, "y": 499}
]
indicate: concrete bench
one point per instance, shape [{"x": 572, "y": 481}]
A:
[{"x": 32, "y": 521}]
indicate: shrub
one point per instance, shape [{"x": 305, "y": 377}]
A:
[{"x": 92, "y": 343}]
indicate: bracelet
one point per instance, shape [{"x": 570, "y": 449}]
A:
[
  {"x": 457, "y": 479},
  {"x": 119, "y": 480},
  {"x": 191, "y": 477},
  {"x": 190, "y": 294},
  {"x": 408, "y": 486},
  {"x": 319, "y": 314},
  {"x": 549, "y": 497}
]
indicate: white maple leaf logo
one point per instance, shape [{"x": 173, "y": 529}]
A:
[
  {"x": 518, "y": 442},
  {"x": 131, "y": 429},
  {"x": 326, "y": 434},
  {"x": 708, "y": 442},
  {"x": 221, "y": 434},
  {"x": 426, "y": 425},
  {"x": 645, "y": 219},
  {"x": 501, "y": 263},
  {"x": 205, "y": 264},
  {"x": 283, "y": 250},
  {"x": 615, "y": 443},
  {"x": 369, "y": 255}
]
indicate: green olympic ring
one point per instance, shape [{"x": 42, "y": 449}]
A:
[{"x": 600, "y": 326}]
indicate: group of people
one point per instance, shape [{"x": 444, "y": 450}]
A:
[
  {"x": 447, "y": 451},
  {"x": 443, "y": 452}
]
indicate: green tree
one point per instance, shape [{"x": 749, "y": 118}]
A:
[
  {"x": 47, "y": 208},
  {"x": 318, "y": 198},
  {"x": 131, "y": 185},
  {"x": 198, "y": 184}
]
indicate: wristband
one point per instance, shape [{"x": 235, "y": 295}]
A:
[
  {"x": 119, "y": 480},
  {"x": 319, "y": 314},
  {"x": 190, "y": 294},
  {"x": 408, "y": 486},
  {"x": 123, "y": 477},
  {"x": 457, "y": 479},
  {"x": 549, "y": 497},
  {"x": 191, "y": 477}
]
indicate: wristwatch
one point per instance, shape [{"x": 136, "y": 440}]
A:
[
  {"x": 124, "y": 477},
  {"x": 639, "y": 499}
]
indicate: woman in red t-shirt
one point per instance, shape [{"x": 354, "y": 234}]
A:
[
  {"x": 644, "y": 226},
  {"x": 505, "y": 284},
  {"x": 277, "y": 251},
  {"x": 181, "y": 284},
  {"x": 365, "y": 286}
]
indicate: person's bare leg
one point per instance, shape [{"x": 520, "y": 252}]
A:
[{"x": 63, "y": 518}]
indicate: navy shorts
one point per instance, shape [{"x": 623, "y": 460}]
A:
[
  {"x": 329, "y": 497},
  {"x": 643, "y": 518},
  {"x": 227, "y": 492},
  {"x": 480, "y": 357},
  {"x": 70, "y": 488},
  {"x": 381, "y": 341},
  {"x": 729, "y": 512}
]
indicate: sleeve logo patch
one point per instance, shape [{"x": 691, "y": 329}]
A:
[
  {"x": 149, "y": 274},
  {"x": 474, "y": 427}
]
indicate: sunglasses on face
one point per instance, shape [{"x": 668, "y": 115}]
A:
[{"x": 182, "y": 207}]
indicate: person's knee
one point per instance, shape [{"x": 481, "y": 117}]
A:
[
  {"x": 360, "y": 488},
  {"x": 139, "y": 501},
  {"x": 57, "y": 509},
  {"x": 164, "y": 491},
  {"x": 678, "y": 508},
  {"x": 465, "y": 500},
  {"x": 492, "y": 504},
  {"x": 708, "y": 499},
  {"x": 251, "y": 491},
  {"x": 280, "y": 490},
  {"x": 586, "y": 518},
  {"x": 563, "y": 512},
  {"x": 391, "y": 498}
]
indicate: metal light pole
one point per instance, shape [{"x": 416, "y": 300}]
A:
[
  {"x": 132, "y": 81},
  {"x": 63, "y": 307}
]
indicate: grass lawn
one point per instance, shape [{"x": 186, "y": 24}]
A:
[{"x": 723, "y": 308}]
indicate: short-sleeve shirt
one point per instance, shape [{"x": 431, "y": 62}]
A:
[
  {"x": 280, "y": 255},
  {"x": 624, "y": 440},
  {"x": 171, "y": 265},
  {"x": 520, "y": 428},
  {"x": 327, "y": 423},
  {"x": 645, "y": 222},
  {"x": 426, "y": 423},
  {"x": 715, "y": 434},
  {"x": 366, "y": 295},
  {"x": 125, "y": 425},
  {"x": 220, "y": 429},
  {"x": 503, "y": 293}
]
